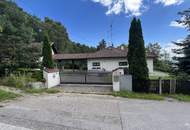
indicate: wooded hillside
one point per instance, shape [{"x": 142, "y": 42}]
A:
[{"x": 21, "y": 36}]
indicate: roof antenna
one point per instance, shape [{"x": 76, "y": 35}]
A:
[
  {"x": 111, "y": 45},
  {"x": 111, "y": 33}
]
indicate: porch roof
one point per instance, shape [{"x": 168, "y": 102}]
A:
[{"x": 105, "y": 53}]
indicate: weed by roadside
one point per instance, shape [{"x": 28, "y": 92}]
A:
[
  {"x": 17, "y": 81},
  {"x": 180, "y": 97},
  {"x": 148, "y": 96},
  {"x": 4, "y": 95},
  {"x": 39, "y": 91},
  {"x": 145, "y": 96}
]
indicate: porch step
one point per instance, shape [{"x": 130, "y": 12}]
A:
[{"x": 86, "y": 88}]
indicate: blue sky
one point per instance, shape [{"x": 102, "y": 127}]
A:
[{"x": 88, "y": 21}]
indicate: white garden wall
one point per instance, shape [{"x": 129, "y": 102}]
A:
[
  {"x": 52, "y": 78},
  {"x": 120, "y": 81}
]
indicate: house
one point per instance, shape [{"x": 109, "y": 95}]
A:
[{"x": 107, "y": 59}]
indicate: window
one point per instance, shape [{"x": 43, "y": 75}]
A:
[
  {"x": 123, "y": 63},
  {"x": 96, "y": 64}
]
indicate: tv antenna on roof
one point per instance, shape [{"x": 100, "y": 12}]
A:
[{"x": 111, "y": 33}]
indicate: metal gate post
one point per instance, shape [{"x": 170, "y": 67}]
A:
[
  {"x": 160, "y": 85},
  {"x": 85, "y": 74}
]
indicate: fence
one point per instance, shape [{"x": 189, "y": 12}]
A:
[
  {"x": 86, "y": 77},
  {"x": 169, "y": 86}
]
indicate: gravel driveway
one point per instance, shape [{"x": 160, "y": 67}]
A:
[{"x": 91, "y": 112}]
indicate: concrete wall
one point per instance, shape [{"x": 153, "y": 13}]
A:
[
  {"x": 111, "y": 64},
  {"x": 125, "y": 83},
  {"x": 106, "y": 64},
  {"x": 116, "y": 79},
  {"x": 120, "y": 81},
  {"x": 52, "y": 79}
]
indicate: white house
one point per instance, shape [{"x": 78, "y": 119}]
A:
[{"x": 107, "y": 59}]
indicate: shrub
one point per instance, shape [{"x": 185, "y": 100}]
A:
[
  {"x": 38, "y": 75},
  {"x": 35, "y": 74},
  {"x": 18, "y": 81},
  {"x": 182, "y": 76}
]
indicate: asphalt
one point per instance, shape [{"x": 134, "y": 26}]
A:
[{"x": 92, "y": 112}]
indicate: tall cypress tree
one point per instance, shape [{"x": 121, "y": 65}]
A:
[
  {"x": 137, "y": 57},
  {"x": 47, "y": 53}
]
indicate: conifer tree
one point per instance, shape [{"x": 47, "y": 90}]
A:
[
  {"x": 137, "y": 57},
  {"x": 47, "y": 53},
  {"x": 183, "y": 53}
]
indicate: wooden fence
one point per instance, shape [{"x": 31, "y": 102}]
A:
[{"x": 169, "y": 86}]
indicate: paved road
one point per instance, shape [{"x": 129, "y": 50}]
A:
[{"x": 90, "y": 112}]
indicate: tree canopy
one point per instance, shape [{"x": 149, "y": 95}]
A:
[
  {"x": 18, "y": 46},
  {"x": 183, "y": 58},
  {"x": 21, "y": 37},
  {"x": 102, "y": 45}
]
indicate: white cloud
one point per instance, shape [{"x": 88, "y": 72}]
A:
[
  {"x": 104, "y": 2},
  {"x": 176, "y": 24},
  {"x": 131, "y": 7},
  {"x": 169, "y": 2},
  {"x": 116, "y": 8}
]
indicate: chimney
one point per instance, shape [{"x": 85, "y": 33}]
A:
[{"x": 122, "y": 47}]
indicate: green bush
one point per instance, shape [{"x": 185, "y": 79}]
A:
[
  {"x": 18, "y": 81},
  {"x": 35, "y": 74},
  {"x": 38, "y": 75},
  {"x": 182, "y": 76}
]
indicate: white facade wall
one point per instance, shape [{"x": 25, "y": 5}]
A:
[
  {"x": 150, "y": 65},
  {"x": 106, "y": 64},
  {"x": 112, "y": 64}
]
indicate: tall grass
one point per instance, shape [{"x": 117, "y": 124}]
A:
[{"x": 18, "y": 81}]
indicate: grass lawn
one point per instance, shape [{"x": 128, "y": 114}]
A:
[
  {"x": 39, "y": 91},
  {"x": 138, "y": 95},
  {"x": 7, "y": 95},
  {"x": 180, "y": 97},
  {"x": 148, "y": 96}
]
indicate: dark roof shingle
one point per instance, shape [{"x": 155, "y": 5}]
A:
[{"x": 105, "y": 53}]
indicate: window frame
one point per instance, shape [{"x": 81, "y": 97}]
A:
[
  {"x": 123, "y": 63},
  {"x": 96, "y": 64}
]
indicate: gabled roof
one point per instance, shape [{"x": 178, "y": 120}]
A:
[{"x": 105, "y": 53}]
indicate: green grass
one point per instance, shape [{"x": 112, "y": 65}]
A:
[
  {"x": 148, "y": 96},
  {"x": 39, "y": 91},
  {"x": 180, "y": 97},
  {"x": 7, "y": 95},
  {"x": 133, "y": 95},
  {"x": 52, "y": 91}
]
